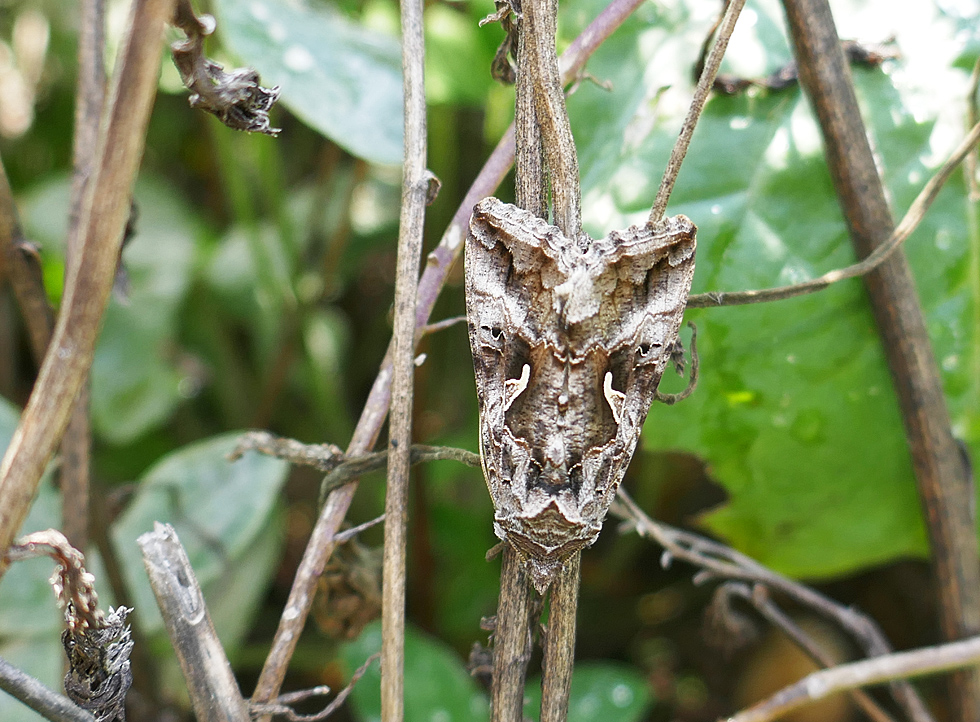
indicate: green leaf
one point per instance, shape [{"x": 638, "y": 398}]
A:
[
  {"x": 437, "y": 685},
  {"x": 606, "y": 691},
  {"x": 342, "y": 80},
  {"x": 135, "y": 381},
  {"x": 794, "y": 412},
  {"x": 225, "y": 515}
]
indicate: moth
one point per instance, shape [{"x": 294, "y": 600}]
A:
[{"x": 570, "y": 338}]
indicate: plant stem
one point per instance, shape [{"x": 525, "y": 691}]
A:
[
  {"x": 76, "y": 446},
  {"x": 538, "y": 63},
  {"x": 44, "y": 701},
  {"x": 414, "y": 194},
  {"x": 22, "y": 265},
  {"x": 103, "y": 218},
  {"x": 559, "y": 646},
  {"x": 211, "y": 685},
  {"x": 720, "y": 561},
  {"x": 944, "y": 482},
  {"x": 705, "y": 83},
  {"x": 827, "y": 682},
  {"x": 512, "y": 639}
]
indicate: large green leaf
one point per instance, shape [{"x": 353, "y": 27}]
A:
[
  {"x": 339, "y": 78},
  {"x": 437, "y": 685},
  {"x": 795, "y": 412},
  {"x": 135, "y": 381},
  {"x": 224, "y": 514}
]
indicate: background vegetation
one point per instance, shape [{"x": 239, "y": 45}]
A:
[{"x": 259, "y": 290}]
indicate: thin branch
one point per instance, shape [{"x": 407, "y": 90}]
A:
[
  {"x": 970, "y": 168},
  {"x": 357, "y": 466},
  {"x": 210, "y": 682},
  {"x": 348, "y": 534},
  {"x": 530, "y": 180},
  {"x": 342, "y": 469},
  {"x": 415, "y": 194},
  {"x": 442, "y": 325},
  {"x": 758, "y": 597},
  {"x": 701, "y": 92},
  {"x": 844, "y": 677},
  {"x": 104, "y": 215},
  {"x": 517, "y": 607},
  {"x": 903, "y": 230},
  {"x": 440, "y": 260},
  {"x": 559, "y": 642},
  {"x": 723, "y": 562},
  {"x": 324, "y": 457},
  {"x": 89, "y": 105},
  {"x": 279, "y": 706},
  {"x": 76, "y": 446},
  {"x": 973, "y": 117},
  {"x": 538, "y": 62},
  {"x": 22, "y": 263},
  {"x": 46, "y": 702},
  {"x": 547, "y": 158},
  {"x": 517, "y": 613}
]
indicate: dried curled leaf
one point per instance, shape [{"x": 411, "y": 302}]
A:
[
  {"x": 98, "y": 646},
  {"x": 508, "y": 15},
  {"x": 235, "y": 97},
  {"x": 99, "y": 674},
  {"x": 349, "y": 591}
]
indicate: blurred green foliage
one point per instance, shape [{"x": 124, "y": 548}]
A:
[{"x": 260, "y": 283}]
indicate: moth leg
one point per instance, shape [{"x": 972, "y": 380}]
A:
[
  {"x": 515, "y": 387},
  {"x": 692, "y": 382},
  {"x": 614, "y": 398}
]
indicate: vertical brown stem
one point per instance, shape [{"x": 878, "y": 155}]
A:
[
  {"x": 944, "y": 481},
  {"x": 75, "y": 472},
  {"x": 414, "y": 193},
  {"x": 531, "y": 187},
  {"x": 543, "y": 134},
  {"x": 539, "y": 63},
  {"x": 89, "y": 102},
  {"x": 559, "y": 646},
  {"x": 512, "y": 639},
  {"x": 76, "y": 447},
  {"x": 515, "y": 619}
]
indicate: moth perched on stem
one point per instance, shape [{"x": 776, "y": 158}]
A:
[{"x": 570, "y": 338}]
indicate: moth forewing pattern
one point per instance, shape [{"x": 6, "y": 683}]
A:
[{"x": 570, "y": 338}]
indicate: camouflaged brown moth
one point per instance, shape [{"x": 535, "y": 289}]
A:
[{"x": 570, "y": 338}]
